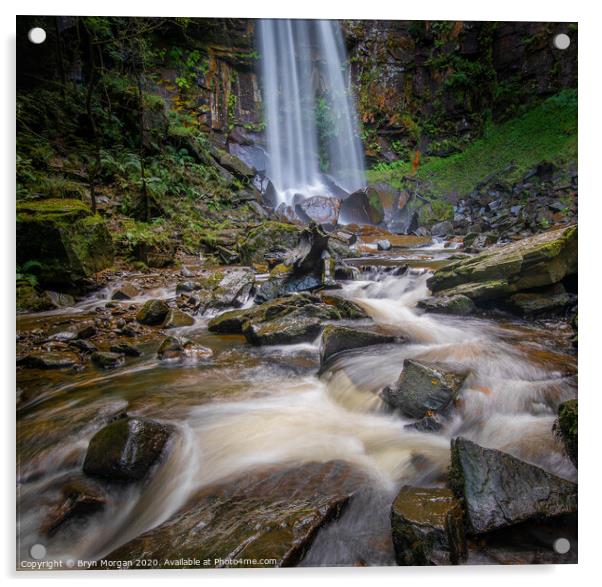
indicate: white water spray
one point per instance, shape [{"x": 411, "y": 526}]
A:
[{"x": 305, "y": 87}]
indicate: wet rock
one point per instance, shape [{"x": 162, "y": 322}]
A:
[
  {"x": 442, "y": 228},
  {"x": 336, "y": 339},
  {"x": 177, "y": 319},
  {"x": 565, "y": 427},
  {"x": 106, "y": 360},
  {"x": 319, "y": 209},
  {"x": 550, "y": 300},
  {"x": 383, "y": 245},
  {"x": 59, "y": 299},
  {"x": 123, "y": 348},
  {"x": 345, "y": 272},
  {"x": 126, "y": 449},
  {"x": 536, "y": 261},
  {"x": 79, "y": 499},
  {"x": 362, "y": 207},
  {"x": 499, "y": 490},
  {"x": 51, "y": 360},
  {"x": 432, "y": 423},
  {"x": 171, "y": 348},
  {"x": 274, "y": 513},
  {"x": 152, "y": 312},
  {"x": 427, "y": 525},
  {"x": 84, "y": 330},
  {"x": 64, "y": 336},
  {"x": 424, "y": 388},
  {"x": 458, "y": 304},
  {"x": 230, "y": 322},
  {"x": 126, "y": 291},
  {"x": 84, "y": 345}
]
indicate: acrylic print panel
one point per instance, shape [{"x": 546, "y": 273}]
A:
[{"x": 295, "y": 292}]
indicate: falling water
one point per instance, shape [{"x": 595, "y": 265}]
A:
[{"x": 306, "y": 87}]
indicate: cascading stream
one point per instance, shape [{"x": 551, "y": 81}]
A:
[
  {"x": 312, "y": 126},
  {"x": 252, "y": 407}
]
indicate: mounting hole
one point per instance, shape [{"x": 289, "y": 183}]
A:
[
  {"x": 36, "y": 35},
  {"x": 562, "y": 41},
  {"x": 37, "y": 551},
  {"x": 562, "y": 545}
]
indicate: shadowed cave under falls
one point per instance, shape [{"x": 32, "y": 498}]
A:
[{"x": 312, "y": 128}]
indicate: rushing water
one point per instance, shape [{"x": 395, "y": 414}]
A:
[
  {"x": 305, "y": 86},
  {"x": 246, "y": 407}
]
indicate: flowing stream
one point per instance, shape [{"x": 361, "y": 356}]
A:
[
  {"x": 311, "y": 121},
  {"x": 250, "y": 406}
]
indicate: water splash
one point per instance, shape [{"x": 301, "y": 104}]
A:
[{"x": 305, "y": 87}]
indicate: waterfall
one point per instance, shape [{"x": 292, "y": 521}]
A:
[{"x": 312, "y": 127}]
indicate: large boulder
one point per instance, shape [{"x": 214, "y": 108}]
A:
[
  {"x": 536, "y": 261},
  {"x": 565, "y": 427},
  {"x": 428, "y": 527},
  {"x": 499, "y": 490},
  {"x": 274, "y": 514},
  {"x": 126, "y": 449},
  {"x": 320, "y": 209},
  {"x": 69, "y": 241},
  {"x": 285, "y": 320},
  {"x": 337, "y": 339},
  {"x": 261, "y": 240},
  {"x": 362, "y": 207},
  {"x": 424, "y": 388},
  {"x": 153, "y": 312}
]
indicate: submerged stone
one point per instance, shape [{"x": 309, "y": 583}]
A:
[
  {"x": 499, "y": 490},
  {"x": 125, "y": 449},
  {"x": 274, "y": 513},
  {"x": 428, "y": 527}
]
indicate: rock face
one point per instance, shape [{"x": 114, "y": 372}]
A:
[
  {"x": 499, "y": 490},
  {"x": 566, "y": 427},
  {"x": 290, "y": 319},
  {"x": 336, "y": 339},
  {"x": 458, "y": 304},
  {"x": 362, "y": 207},
  {"x": 428, "y": 527},
  {"x": 536, "y": 261},
  {"x": 152, "y": 312},
  {"x": 270, "y": 514},
  {"x": 125, "y": 449},
  {"x": 424, "y": 388},
  {"x": 70, "y": 242}
]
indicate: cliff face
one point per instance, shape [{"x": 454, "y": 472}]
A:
[{"x": 431, "y": 85}]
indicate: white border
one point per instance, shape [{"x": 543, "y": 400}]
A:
[{"x": 590, "y": 213}]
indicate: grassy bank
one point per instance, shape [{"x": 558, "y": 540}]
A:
[{"x": 547, "y": 132}]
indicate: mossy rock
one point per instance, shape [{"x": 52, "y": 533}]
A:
[
  {"x": 153, "y": 312},
  {"x": 262, "y": 239},
  {"x": 29, "y": 299},
  {"x": 566, "y": 427},
  {"x": 65, "y": 237}
]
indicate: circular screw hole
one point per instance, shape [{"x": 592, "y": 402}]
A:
[
  {"x": 562, "y": 545},
  {"x": 562, "y": 41},
  {"x": 36, "y": 35},
  {"x": 37, "y": 551}
]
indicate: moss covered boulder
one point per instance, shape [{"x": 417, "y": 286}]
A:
[
  {"x": 536, "y": 261},
  {"x": 68, "y": 240},
  {"x": 153, "y": 312},
  {"x": 428, "y": 527},
  {"x": 272, "y": 513},
  {"x": 125, "y": 449},
  {"x": 566, "y": 428},
  {"x": 266, "y": 237},
  {"x": 499, "y": 490}
]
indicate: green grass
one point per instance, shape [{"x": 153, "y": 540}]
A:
[{"x": 546, "y": 132}]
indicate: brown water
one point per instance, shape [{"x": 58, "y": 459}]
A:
[{"x": 245, "y": 407}]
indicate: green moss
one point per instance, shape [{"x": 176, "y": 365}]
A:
[{"x": 546, "y": 132}]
